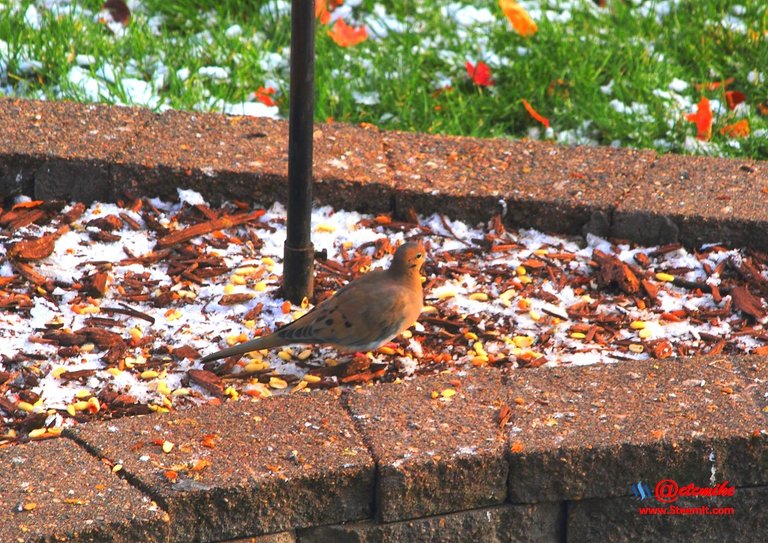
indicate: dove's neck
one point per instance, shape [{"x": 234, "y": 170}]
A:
[{"x": 408, "y": 275}]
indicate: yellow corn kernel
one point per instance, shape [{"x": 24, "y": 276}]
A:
[
  {"x": 232, "y": 339},
  {"x": 525, "y": 279},
  {"x": 180, "y": 392},
  {"x": 520, "y": 270},
  {"x": 645, "y": 333},
  {"x": 661, "y": 276},
  {"x": 114, "y": 371},
  {"x": 386, "y": 350},
  {"x": 522, "y": 341},
  {"x": 507, "y": 294},
  {"x": 87, "y": 347},
  {"x": 309, "y": 378},
  {"x": 26, "y": 406},
  {"x": 229, "y": 288},
  {"x": 82, "y": 394},
  {"x": 277, "y": 383},
  {"x": 578, "y": 335},
  {"x": 535, "y": 315},
  {"x": 80, "y": 406},
  {"x": 136, "y": 333},
  {"x": 445, "y": 294},
  {"x": 167, "y": 447},
  {"x": 637, "y": 325},
  {"x": 636, "y": 348},
  {"x": 253, "y": 367},
  {"x": 235, "y": 280},
  {"x": 245, "y": 270},
  {"x": 93, "y": 405},
  {"x": 37, "y": 432},
  {"x": 407, "y": 334},
  {"x": 163, "y": 388},
  {"x": 429, "y": 309},
  {"x": 303, "y": 355},
  {"x": 479, "y": 360},
  {"x": 541, "y": 252},
  {"x": 267, "y": 261},
  {"x": 149, "y": 374},
  {"x": 71, "y": 410},
  {"x": 470, "y": 336},
  {"x": 261, "y": 286},
  {"x": 58, "y": 371},
  {"x": 173, "y": 315},
  {"x": 435, "y": 394},
  {"x": 116, "y": 468},
  {"x": 479, "y": 349},
  {"x": 448, "y": 393},
  {"x": 479, "y": 297},
  {"x": 301, "y": 385},
  {"x": 323, "y": 227},
  {"x": 284, "y": 355}
]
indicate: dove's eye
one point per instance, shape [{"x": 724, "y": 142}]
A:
[{"x": 419, "y": 255}]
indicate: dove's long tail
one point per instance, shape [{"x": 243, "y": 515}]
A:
[{"x": 267, "y": 342}]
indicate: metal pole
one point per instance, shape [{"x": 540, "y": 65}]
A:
[{"x": 298, "y": 280}]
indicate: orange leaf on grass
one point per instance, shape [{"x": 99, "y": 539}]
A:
[
  {"x": 714, "y": 85},
  {"x": 519, "y": 18},
  {"x": 739, "y": 129},
  {"x": 535, "y": 114},
  {"x": 734, "y": 98},
  {"x": 480, "y": 74},
  {"x": 29, "y": 204},
  {"x": 703, "y": 119},
  {"x": 347, "y": 36},
  {"x": 321, "y": 11},
  {"x": 264, "y": 95}
]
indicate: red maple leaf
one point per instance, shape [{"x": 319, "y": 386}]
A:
[
  {"x": 347, "y": 36},
  {"x": 264, "y": 95},
  {"x": 703, "y": 119}
]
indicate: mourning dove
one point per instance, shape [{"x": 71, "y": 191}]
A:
[{"x": 362, "y": 316}]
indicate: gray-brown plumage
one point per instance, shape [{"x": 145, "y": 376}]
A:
[{"x": 362, "y": 316}]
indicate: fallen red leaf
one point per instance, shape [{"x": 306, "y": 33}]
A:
[
  {"x": 264, "y": 95},
  {"x": 734, "y": 98},
  {"x": 480, "y": 74},
  {"x": 519, "y": 18},
  {"x": 739, "y": 129},
  {"x": 347, "y": 36},
  {"x": 535, "y": 114},
  {"x": 321, "y": 12},
  {"x": 714, "y": 85},
  {"x": 703, "y": 119}
]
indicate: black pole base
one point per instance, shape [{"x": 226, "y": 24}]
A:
[{"x": 298, "y": 276}]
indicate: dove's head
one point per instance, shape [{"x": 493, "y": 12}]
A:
[{"x": 409, "y": 257}]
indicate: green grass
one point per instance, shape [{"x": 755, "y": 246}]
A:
[{"x": 560, "y": 70}]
